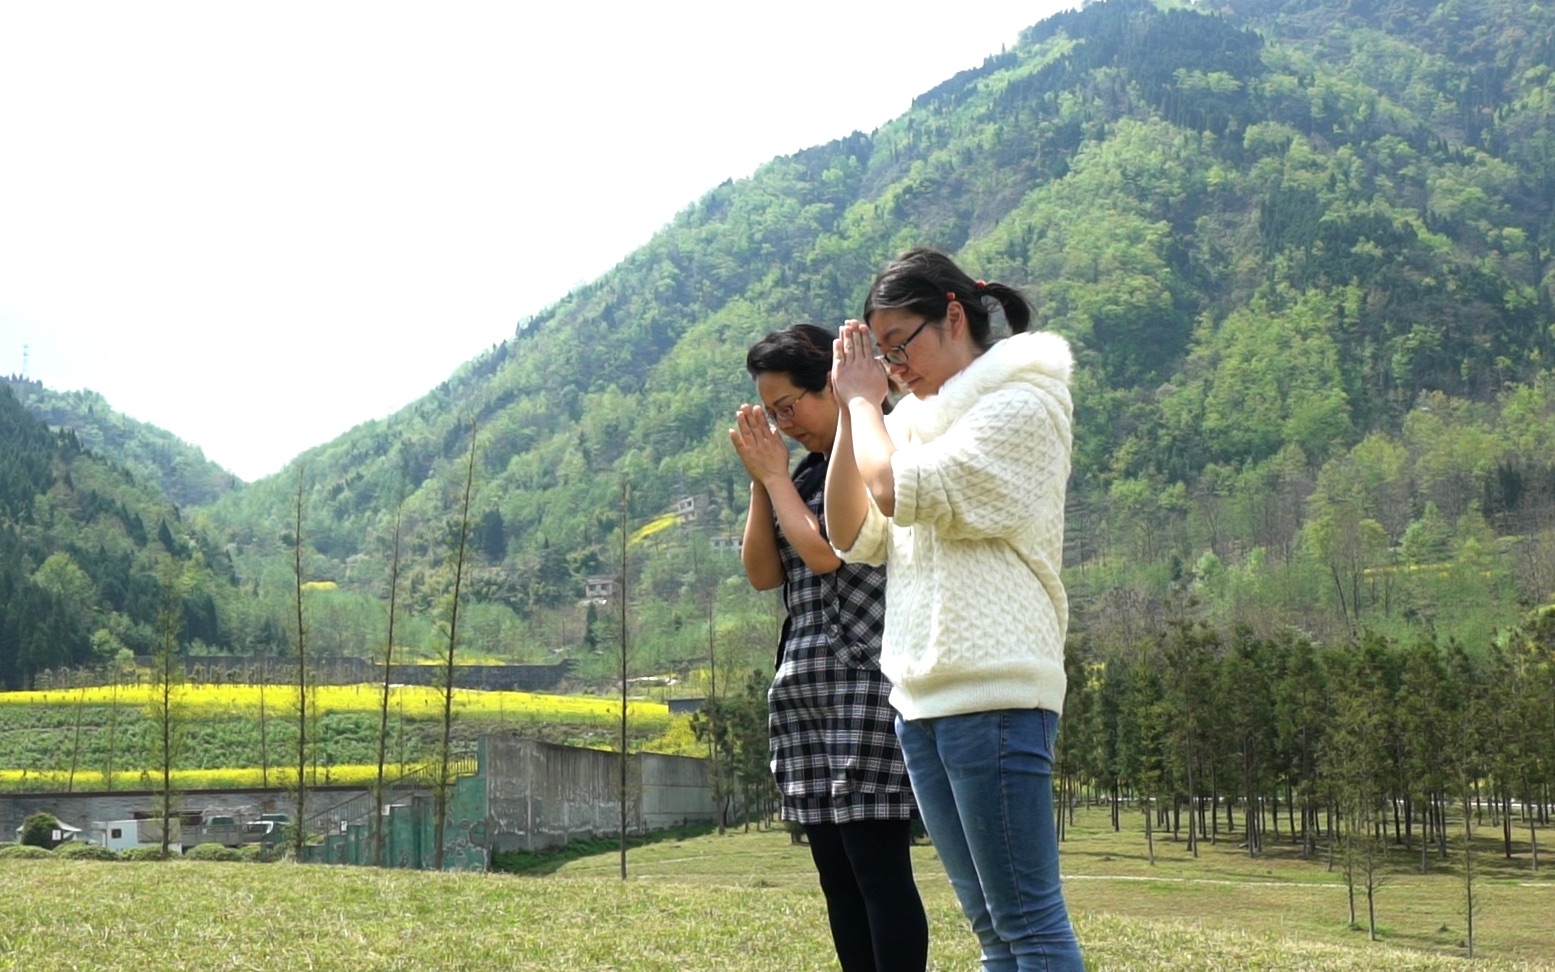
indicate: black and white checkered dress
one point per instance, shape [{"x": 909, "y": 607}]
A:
[{"x": 834, "y": 748}]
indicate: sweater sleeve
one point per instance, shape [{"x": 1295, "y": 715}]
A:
[
  {"x": 985, "y": 476},
  {"x": 870, "y": 546}
]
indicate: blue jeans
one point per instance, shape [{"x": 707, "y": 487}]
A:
[{"x": 984, "y": 784}]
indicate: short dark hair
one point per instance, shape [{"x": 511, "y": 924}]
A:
[
  {"x": 925, "y": 281},
  {"x": 803, "y": 352}
]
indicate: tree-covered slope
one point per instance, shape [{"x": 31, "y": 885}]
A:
[
  {"x": 89, "y": 555},
  {"x": 1274, "y": 232},
  {"x": 153, "y": 455}
]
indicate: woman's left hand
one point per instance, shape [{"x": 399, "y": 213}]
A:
[
  {"x": 760, "y": 447},
  {"x": 855, "y": 371}
]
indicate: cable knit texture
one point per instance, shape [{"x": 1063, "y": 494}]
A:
[{"x": 975, "y": 610}]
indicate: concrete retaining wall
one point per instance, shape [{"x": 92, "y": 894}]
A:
[{"x": 542, "y": 795}]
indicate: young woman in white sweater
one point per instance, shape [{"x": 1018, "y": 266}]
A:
[{"x": 960, "y": 492}]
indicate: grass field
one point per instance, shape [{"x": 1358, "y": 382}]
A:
[{"x": 739, "y": 903}]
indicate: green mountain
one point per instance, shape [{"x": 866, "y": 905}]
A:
[
  {"x": 1303, "y": 251},
  {"x": 90, "y": 555},
  {"x": 152, "y": 454}
]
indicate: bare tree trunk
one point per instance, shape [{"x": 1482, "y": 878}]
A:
[
  {"x": 1214, "y": 808},
  {"x": 1308, "y": 825},
  {"x": 1333, "y": 835},
  {"x": 169, "y": 673},
  {"x": 1149, "y": 832},
  {"x": 1349, "y": 869},
  {"x": 388, "y": 672},
  {"x": 441, "y": 793},
  {"x": 1344, "y": 609},
  {"x": 75, "y": 747},
  {"x": 298, "y": 823},
  {"x": 1193, "y": 828},
  {"x": 264, "y": 734},
  {"x": 1371, "y": 908},
  {"x": 1533, "y": 839},
  {"x": 720, "y": 791},
  {"x": 1372, "y": 853},
  {"x": 1468, "y": 874},
  {"x": 625, "y": 497},
  {"x": 1506, "y": 823},
  {"x": 1441, "y": 826},
  {"x": 113, "y": 730}
]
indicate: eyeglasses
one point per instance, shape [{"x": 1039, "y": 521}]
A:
[
  {"x": 897, "y": 355},
  {"x": 785, "y": 413}
]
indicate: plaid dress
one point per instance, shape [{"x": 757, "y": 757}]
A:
[{"x": 834, "y": 748}]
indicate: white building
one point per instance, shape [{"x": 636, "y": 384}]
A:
[{"x": 120, "y": 835}]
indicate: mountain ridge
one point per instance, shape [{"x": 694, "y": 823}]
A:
[
  {"x": 1278, "y": 236},
  {"x": 179, "y": 468}
]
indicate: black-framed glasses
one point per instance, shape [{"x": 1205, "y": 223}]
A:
[
  {"x": 785, "y": 413},
  {"x": 897, "y": 354}
]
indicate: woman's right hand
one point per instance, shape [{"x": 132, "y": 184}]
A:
[
  {"x": 759, "y": 446},
  {"x": 856, "y": 372}
]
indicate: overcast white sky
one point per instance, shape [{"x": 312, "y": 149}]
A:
[{"x": 257, "y": 225}]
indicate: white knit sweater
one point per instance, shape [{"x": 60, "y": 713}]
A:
[{"x": 975, "y": 611}]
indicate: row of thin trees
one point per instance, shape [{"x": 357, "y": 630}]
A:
[
  {"x": 1347, "y": 752},
  {"x": 169, "y": 721},
  {"x": 1280, "y": 735},
  {"x": 440, "y": 770}
]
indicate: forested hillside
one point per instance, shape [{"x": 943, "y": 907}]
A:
[
  {"x": 89, "y": 556},
  {"x": 152, "y": 454},
  {"x": 1303, "y": 250}
]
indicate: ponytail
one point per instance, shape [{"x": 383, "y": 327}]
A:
[{"x": 1017, "y": 310}]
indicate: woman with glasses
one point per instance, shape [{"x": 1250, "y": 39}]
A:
[
  {"x": 961, "y": 491},
  {"x": 835, "y": 754}
]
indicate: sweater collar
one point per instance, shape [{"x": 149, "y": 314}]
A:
[{"x": 1035, "y": 358}]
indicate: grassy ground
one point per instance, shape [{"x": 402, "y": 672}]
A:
[
  {"x": 735, "y": 903},
  {"x": 1279, "y": 893}
]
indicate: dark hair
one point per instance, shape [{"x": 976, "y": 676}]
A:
[
  {"x": 803, "y": 352},
  {"x": 923, "y": 281}
]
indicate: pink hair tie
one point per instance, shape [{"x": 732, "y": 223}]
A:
[
  {"x": 950, "y": 295},
  {"x": 981, "y": 284}
]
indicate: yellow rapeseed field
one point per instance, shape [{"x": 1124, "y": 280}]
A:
[
  {"x": 355, "y": 774},
  {"x": 413, "y": 701}
]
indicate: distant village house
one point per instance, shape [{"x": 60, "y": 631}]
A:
[{"x": 599, "y": 588}]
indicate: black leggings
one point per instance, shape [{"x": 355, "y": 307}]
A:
[{"x": 877, "y": 920}]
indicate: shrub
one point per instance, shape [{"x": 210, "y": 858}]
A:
[
  {"x": 146, "y": 853},
  {"x": 38, "y": 831},
  {"x": 83, "y": 851},
  {"x": 212, "y": 852},
  {"x": 256, "y": 853},
  {"x": 13, "y": 851}
]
